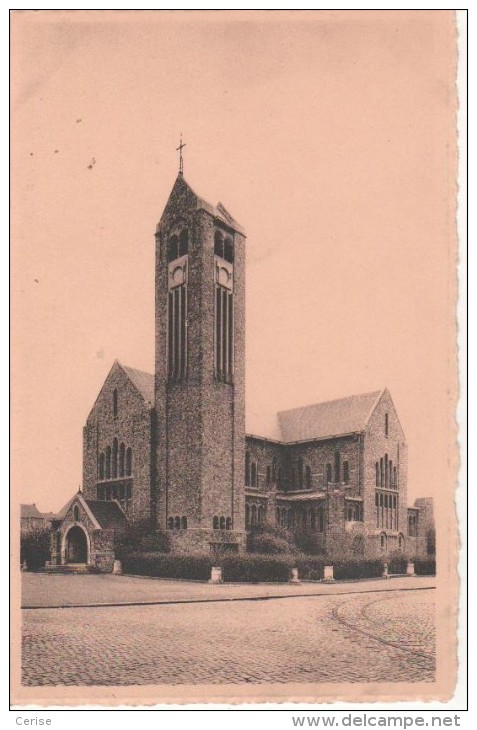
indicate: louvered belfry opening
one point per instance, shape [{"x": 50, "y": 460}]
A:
[
  {"x": 177, "y": 333},
  {"x": 224, "y": 333}
]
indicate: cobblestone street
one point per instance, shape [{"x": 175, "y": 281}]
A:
[{"x": 362, "y": 637}]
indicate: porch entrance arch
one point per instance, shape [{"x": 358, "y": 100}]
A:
[{"x": 76, "y": 545}]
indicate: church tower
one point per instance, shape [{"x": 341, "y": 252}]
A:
[{"x": 200, "y": 372}]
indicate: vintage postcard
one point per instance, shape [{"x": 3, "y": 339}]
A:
[{"x": 234, "y": 383}]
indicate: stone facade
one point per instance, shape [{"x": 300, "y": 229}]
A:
[{"x": 171, "y": 449}]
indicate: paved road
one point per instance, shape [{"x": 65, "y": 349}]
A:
[
  {"x": 364, "y": 637},
  {"x": 43, "y": 590}
]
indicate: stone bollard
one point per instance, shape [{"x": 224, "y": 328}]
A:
[
  {"x": 410, "y": 569},
  {"x": 216, "y": 575},
  {"x": 328, "y": 574},
  {"x": 385, "y": 571},
  {"x": 117, "y": 568},
  {"x": 294, "y": 576}
]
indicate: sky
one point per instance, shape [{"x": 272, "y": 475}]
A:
[{"x": 328, "y": 135}]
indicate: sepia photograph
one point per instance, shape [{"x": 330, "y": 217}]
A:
[{"x": 234, "y": 356}]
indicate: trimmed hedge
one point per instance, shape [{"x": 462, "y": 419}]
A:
[
  {"x": 254, "y": 568},
  {"x": 425, "y": 566},
  {"x": 168, "y": 565},
  {"x": 266, "y": 544},
  {"x": 350, "y": 569},
  {"x": 397, "y": 564}
]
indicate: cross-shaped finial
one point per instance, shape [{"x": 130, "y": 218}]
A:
[{"x": 181, "y": 161}]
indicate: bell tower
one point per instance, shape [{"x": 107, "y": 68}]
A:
[{"x": 200, "y": 372}]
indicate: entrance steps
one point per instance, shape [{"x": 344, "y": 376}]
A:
[{"x": 67, "y": 569}]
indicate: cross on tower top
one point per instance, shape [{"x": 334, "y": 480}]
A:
[{"x": 181, "y": 161}]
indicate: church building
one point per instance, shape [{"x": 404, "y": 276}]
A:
[{"x": 174, "y": 447}]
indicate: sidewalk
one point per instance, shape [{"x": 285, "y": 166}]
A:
[{"x": 40, "y": 590}]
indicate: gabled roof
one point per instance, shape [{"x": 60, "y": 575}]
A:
[
  {"x": 143, "y": 382},
  {"x": 333, "y": 418},
  {"x": 29, "y": 510},
  {"x": 108, "y": 514}
]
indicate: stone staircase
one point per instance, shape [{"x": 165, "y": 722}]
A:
[{"x": 70, "y": 568}]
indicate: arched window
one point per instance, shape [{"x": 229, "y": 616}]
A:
[
  {"x": 76, "y": 513},
  {"x": 377, "y": 474},
  {"x": 229, "y": 250},
  {"x": 115, "y": 402},
  {"x": 260, "y": 515},
  {"x": 386, "y": 424},
  {"x": 274, "y": 471},
  {"x": 170, "y": 523},
  {"x": 101, "y": 466},
  {"x": 346, "y": 472},
  {"x": 108, "y": 462},
  {"x": 177, "y": 523},
  {"x": 247, "y": 468},
  {"x": 122, "y": 456},
  {"x": 114, "y": 459},
  {"x": 228, "y": 523},
  {"x": 184, "y": 243},
  {"x": 329, "y": 477},
  {"x": 383, "y": 542},
  {"x": 308, "y": 476},
  {"x": 254, "y": 474},
  {"x": 395, "y": 476},
  {"x": 219, "y": 244},
  {"x": 337, "y": 466},
  {"x": 386, "y": 471},
  {"x": 222, "y": 523},
  {"x": 128, "y": 461},
  {"x": 184, "y": 523},
  {"x": 401, "y": 542},
  {"x": 269, "y": 474},
  {"x": 247, "y": 516},
  {"x": 254, "y": 515},
  {"x": 391, "y": 482},
  {"x": 215, "y": 523},
  {"x": 173, "y": 248},
  {"x": 381, "y": 473}
]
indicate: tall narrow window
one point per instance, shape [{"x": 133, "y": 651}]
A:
[
  {"x": 274, "y": 471},
  {"x": 254, "y": 474},
  {"x": 346, "y": 472},
  {"x": 219, "y": 244},
  {"x": 381, "y": 473},
  {"x": 115, "y": 402},
  {"x": 229, "y": 250},
  {"x": 128, "y": 462},
  {"x": 328, "y": 473},
  {"x": 215, "y": 523},
  {"x": 173, "y": 249},
  {"x": 101, "y": 466},
  {"x": 224, "y": 333},
  {"x": 377, "y": 474},
  {"x": 269, "y": 474},
  {"x": 122, "y": 456},
  {"x": 247, "y": 468},
  {"x": 308, "y": 477},
  {"x": 386, "y": 470},
  {"x": 184, "y": 243},
  {"x": 114, "y": 459},
  {"x": 177, "y": 333},
  {"x": 299, "y": 469},
  {"x": 386, "y": 424},
  {"x": 184, "y": 523},
  {"x": 337, "y": 467},
  {"x": 391, "y": 480},
  {"x": 108, "y": 463},
  {"x": 395, "y": 476}
]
